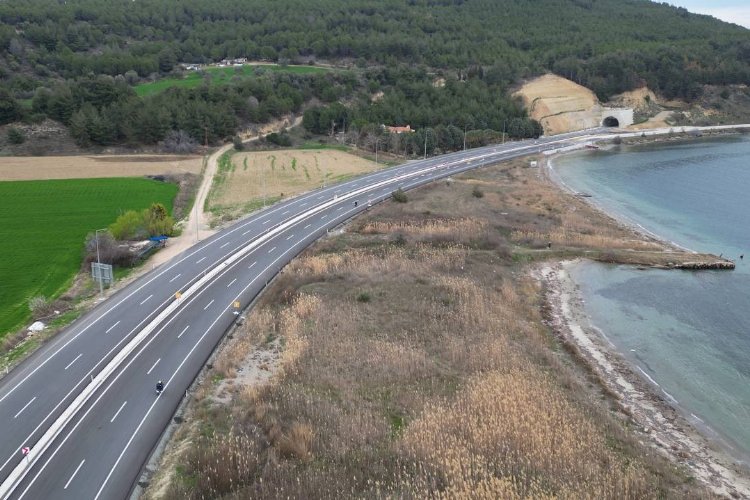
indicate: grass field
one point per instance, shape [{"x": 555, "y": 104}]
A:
[
  {"x": 219, "y": 76},
  {"x": 245, "y": 177},
  {"x": 43, "y": 225}
]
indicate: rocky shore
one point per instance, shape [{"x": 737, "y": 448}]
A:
[{"x": 658, "y": 423}]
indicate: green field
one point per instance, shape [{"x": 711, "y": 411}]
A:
[
  {"x": 219, "y": 76},
  {"x": 43, "y": 225}
]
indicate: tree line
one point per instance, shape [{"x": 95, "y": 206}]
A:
[
  {"x": 437, "y": 64},
  {"x": 609, "y": 45}
]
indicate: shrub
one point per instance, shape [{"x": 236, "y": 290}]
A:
[
  {"x": 39, "y": 306},
  {"x": 477, "y": 193},
  {"x": 364, "y": 297},
  {"x": 399, "y": 196},
  {"x": 281, "y": 139},
  {"x": 179, "y": 141},
  {"x": 16, "y": 136},
  {"x": 237, "y": 141}
]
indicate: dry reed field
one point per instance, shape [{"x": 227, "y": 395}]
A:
[
  {"x": 23, "y": 168},
  {"x": 415, "y": 363},
  {"x": 285, "y": 173}
]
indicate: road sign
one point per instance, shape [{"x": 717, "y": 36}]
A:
[
  {"x": 102, "y": 272},
  {"x": 236, "y": 304},
  {"x": 178, "y": 295},
  {"x": 25, "y": 450}
]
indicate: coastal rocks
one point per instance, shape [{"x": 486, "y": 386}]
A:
[{"x": 720, "y": 264}]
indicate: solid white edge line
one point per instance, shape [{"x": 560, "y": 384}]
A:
[
  {"x": 76, "y": 359},
  {"x": 74, "y": 474},
  {"x": 140, "y": 424},
  {"x": 118, "y": 412},
  {"x": 24, "y": 407},
  {"x": 22, "y": 468}
]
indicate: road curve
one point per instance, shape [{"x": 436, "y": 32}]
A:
[{"x": 85, "y": 404}]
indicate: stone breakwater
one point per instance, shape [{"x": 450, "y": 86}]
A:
[{"x": 719, "y": 264}]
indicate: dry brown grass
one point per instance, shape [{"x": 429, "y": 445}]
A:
[
  {"x": 286, "y": 171},
  {"x": 17, "y": 168},
  {"x": 444, "y": 384}
]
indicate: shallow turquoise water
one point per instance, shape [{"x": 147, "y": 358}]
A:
[{"x": 688, "y": 332}]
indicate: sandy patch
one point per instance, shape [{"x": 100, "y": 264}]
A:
[
  {"x": 661, "y": 425},
  {"x": 560, "y": 105},
  {"x": 21, "y": 168},
  {"x": 285, "y": 173}
]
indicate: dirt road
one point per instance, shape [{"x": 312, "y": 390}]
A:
[{"x": 196, "y": 227}]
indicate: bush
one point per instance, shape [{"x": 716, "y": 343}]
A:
[
  {"x": 399, "y": 196},
  {"x": 237, "y": 141},
  {"x": 179, "y": 141},
  {"x": 153, "y": 221},
  {"x": 16, "y": 136},
  {"x": 477, "y": 193},
  {"x": 281, "y": 139},
  {"x": 40, "y": 306},
  {"x": 364, "y": 297}
]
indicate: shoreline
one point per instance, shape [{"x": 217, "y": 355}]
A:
[
  {"x": 662, "y": 424},
  {"x": 659, "y": 424}
]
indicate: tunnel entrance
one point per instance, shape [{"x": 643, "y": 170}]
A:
[{"x": 611, "y": 121}]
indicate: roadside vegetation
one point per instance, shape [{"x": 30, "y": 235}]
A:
[
  {"x": 413, "y": 360},
  {"x": 43, "y": 225}
]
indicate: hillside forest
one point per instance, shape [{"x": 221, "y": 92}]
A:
[{"x": 442, "y": 66}]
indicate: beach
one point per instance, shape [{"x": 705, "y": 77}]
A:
[
  {"x": 656, "y": 421},
  {"x": 657, "y": 418}
]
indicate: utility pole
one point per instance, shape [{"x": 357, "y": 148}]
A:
[
  {"x": 376, "y": 150},
  {"x": 464, "y": 137},
  {"x": 263, "y": 183},
  {"x": 425, "y": 143},
  {"x": 99, "y": 262},
  {"x": 503, "y": 131}
]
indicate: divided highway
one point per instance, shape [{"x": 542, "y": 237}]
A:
[{"x": 85, "y": 403}]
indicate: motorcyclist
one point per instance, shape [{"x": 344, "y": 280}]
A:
[{"x": 159, "y": 387}]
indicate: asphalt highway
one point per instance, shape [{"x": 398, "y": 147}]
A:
[{"x": 85, "y": 403}]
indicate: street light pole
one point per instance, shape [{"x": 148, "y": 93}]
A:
[{"x": 99, "y": 262}]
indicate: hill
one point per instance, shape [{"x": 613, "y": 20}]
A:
[{"x": 77, "y": 61}]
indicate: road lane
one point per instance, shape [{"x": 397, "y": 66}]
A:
[{"x": 163, "y": 283}]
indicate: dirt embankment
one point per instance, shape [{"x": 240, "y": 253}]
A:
[{"x": 560, "y": 105}]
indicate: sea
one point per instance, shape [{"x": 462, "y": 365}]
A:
[{"x": 686, "y": 332}]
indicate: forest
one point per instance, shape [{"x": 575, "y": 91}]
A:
[{"x": 77, "y": 60}]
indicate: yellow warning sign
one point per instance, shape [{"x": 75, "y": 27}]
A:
[
  {"x": 237, "y": 304},
  {"x": 178, "y": 295}
]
